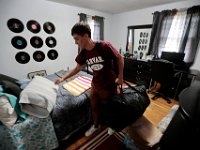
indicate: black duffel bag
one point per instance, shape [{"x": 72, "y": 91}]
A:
[{"x": 125, "y": 108}]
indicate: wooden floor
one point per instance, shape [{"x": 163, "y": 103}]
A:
[{"x": 157, "y": 109}]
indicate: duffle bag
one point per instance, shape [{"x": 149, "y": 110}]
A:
[{"x": 126, "y": 107}]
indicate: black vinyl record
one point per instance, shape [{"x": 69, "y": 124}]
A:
[
  {"x": 52, "y": 54},
  {"x": 33, "y": 26},
  {"x": 141, "y": 55},
  {"x": 36, "y": 42},
  {"x": 50, "y": 42},
  {"x": 38, "y": 56},
  {"x": 15, "y": 25},
  {"x": 49, "y": 27},
  {"x": 19, "y": 42},
  {"x": 22, "y": 57}
]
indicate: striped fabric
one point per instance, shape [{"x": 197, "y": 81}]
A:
[
  {"x": 95, "y": 142},
  {"x": 78, "y": 85}
]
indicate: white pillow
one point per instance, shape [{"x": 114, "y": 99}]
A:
[
  {"x": 39, "y": 97},
  {"x": 8, "y": 115}
]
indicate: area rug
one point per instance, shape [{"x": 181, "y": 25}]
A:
[
  {"x": 104, "y": 141},
  {"x": 101, "y": 140}
]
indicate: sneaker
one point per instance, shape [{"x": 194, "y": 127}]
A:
[
  {"x": 91, "y": 130},
  {"x": 110, "y": 131}
]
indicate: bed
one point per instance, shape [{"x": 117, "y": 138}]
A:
[{"x": 69, "y": 115}]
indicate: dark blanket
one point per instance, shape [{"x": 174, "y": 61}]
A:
[{"x": 71, "y": 112}]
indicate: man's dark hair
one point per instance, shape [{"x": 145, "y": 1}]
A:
[{"x": 81, "y": 28}]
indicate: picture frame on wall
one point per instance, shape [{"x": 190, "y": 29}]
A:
[{"x": 42, "y": 73}]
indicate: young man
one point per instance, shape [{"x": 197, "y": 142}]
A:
[{"x": 100, "y": 57}]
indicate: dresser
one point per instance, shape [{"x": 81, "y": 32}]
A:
[{"x": 137, "y": 71}]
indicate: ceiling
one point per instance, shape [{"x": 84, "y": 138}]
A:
[{"x": 115, "y": 6}]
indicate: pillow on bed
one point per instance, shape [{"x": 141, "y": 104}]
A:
[
  {"x": 8, "y": 115},
  {"x": 11, "y": 88},
  {"x": 39, "y": 97},
  {"x": 8, "y": 78}
]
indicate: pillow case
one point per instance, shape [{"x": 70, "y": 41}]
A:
[
  {"x": 11, "y": 88},
  {"x": 8, "y": 78},
  {"x": 8, "y": 115},
  {"x": 39, "y": 97}
]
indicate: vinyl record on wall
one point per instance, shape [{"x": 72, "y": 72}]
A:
[
  {"x": 36, "y": 42},
  {"x": 141, "y": 55},
  {"x": 49, "y": 27},
  {"x": 52, "y": 54},
  {"x": 50, "y": 42},
  {"x": 38, "y": 56},
  {"x": 15, "y": 25},
  {"x": 139, "y": 47},
  {"x": 22, "y": 57},
  {"x": 141, "y": 34},
  {"x": 33, "y": 26},
  {"x": 19, "y": 42}
]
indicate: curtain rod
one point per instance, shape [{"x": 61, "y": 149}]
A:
[
  {"x": 90, "y": 15},
  {"x": 179, "y": 9}
]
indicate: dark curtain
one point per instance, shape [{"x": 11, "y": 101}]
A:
[
  {"x": 191, "y": 35},
  {"x": 83, "y": 17},
  {"x": 99, "y": 26},
  {"x": 157, "y": 26},
  {"x": 165, "y": 28}
]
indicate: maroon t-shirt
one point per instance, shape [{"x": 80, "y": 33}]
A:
[{"x": 101, "y": 63}]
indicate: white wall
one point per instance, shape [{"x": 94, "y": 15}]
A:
[
  {"x": 121, "y": 21},
  {"x": 63, "y": 17}
]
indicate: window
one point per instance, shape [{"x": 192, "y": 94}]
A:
[
  {"x": 96, "y": 24},
  {"x": 176, "y": 31}
]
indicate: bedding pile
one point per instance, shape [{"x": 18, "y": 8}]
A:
[
  {"x": 39, "y": 97},
  {"x": 19, "y": 130},
  {"x": 52, "y": 113}
]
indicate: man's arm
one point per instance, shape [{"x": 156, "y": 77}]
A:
[
  {"x": 70, "y": 74},
  {"x": 120, "y": 59}
]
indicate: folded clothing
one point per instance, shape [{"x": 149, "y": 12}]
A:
[
  {"x": 39, "y": 97},
  {"x": 78, "y": 85}
]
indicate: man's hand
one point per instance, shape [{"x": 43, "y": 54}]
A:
[
  {"x": 58, "y": 81},
  {"x": 118, "y": 81}
]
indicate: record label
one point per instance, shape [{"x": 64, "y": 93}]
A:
[
  {"x": 52, "y": 54},
  {"x": 38, "y": 56},
  {"x": 36, "y": 42},
  {"x": 50, "y": 42},
  {"x": 33, "y": 26},
  {"x": 19, "y": 42},
  {"x": 22, "y": 57},
  {"x": 49, "y": 27},
  {"x": 15, "y": 25}
]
